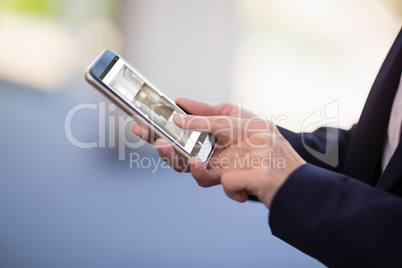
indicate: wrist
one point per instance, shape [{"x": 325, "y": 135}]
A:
[{"x": 273, "y": 186}]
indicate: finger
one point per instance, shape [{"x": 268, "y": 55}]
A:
[
  {"x": 228, "y": 127},
  {"x": 210, "y": 124},
  {"x": 204, "y": 177},
  {"x": 241, "y": 196},
  {"x": 200, "y": 108},
  {"x": 137, "y": 129},
  {"x": 234, "y": 157},
  {"x": 141, "y": 132},
  {"x": 168, "y": 154},
  {"x": 236, "y": 185}
]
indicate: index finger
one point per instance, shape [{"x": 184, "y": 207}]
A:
[
  {"x": 196, "y": 107},
  {"x": 233, "y": 128}
]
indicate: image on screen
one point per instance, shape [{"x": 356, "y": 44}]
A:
[{"x": 154, "y": 106}]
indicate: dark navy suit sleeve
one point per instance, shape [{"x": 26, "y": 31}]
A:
[
  {"x": 320, "y": 141},
  {"x": 338, "y": 220},
  {"x": 335, "y": 213}
]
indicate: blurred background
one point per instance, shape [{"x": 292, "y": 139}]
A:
[{"x": 70, "y": 207}]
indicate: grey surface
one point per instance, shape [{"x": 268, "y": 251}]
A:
[
  {"x": 184, "y": 47},
  {"x": 62, "y": 206}
]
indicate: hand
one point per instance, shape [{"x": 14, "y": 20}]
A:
[
  {"x": 258, "y": 159},
  {"x": 205, "y": 176}
]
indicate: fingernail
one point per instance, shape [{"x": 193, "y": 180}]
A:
[{"x": 178, "y": 117}]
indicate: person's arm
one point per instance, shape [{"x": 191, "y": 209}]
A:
[
  {"x": 225, "y": 112},
  {"x": 340, "y": 221},
  {"x": 318, "y": 141}
]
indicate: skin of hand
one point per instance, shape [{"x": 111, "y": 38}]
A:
[
  {"x": 205, "y": 176},
  {"x": 256, "y": 159},
  {"x": 251, "y": 156}
]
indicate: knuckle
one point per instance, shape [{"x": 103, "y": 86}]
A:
[
  {"x": 221, "y": 121},
  {"x": 227, "y": 185},
  {"x": 225, "y": 181},
  {"x": 226, "y": 107},
  {"x": 261, "y": 139},
  {"x": 261, "y": 124},
  {"x": 202, "y": 180},
  {"x": 202, "y": 183}
]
